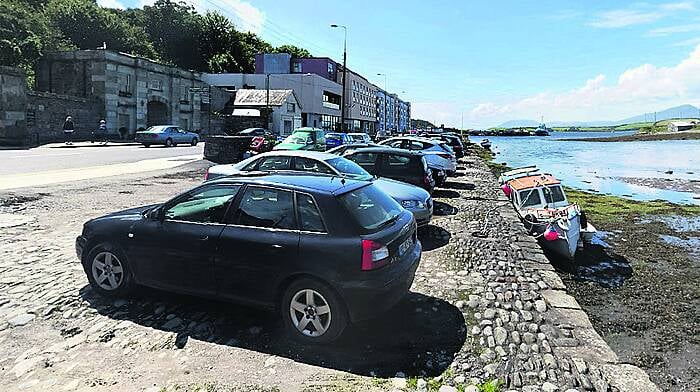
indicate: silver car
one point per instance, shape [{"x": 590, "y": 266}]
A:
[{"x": 411, "y": 197}]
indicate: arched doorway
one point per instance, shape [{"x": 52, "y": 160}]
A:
[{"x": 157, "y": 113}]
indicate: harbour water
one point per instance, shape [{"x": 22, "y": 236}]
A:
[{"x": 602, "y": 167}]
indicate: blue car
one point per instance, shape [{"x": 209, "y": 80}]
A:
[
  {"x": 167, "y": 135},
  {"x": 337, "y": 139}
]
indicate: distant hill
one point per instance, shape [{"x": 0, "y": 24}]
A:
[
  {"x": 682, "y": 111},
  {"x": 421, "y": 124}
]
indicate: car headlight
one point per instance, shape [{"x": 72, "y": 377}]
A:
[{"x": 412, "y": 204}]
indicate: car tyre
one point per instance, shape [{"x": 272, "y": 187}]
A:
[
  {"x": 108, "y": 270},
  {"x": 147, "y": 145},
  {"x": 309, "y": 307},
  {"x": 169, "y": 142},
  {"x": 194, "y": 142}
]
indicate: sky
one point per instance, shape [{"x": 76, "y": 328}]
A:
[{"x": 480, "y": 63}]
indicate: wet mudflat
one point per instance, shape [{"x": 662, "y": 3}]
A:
[{"x": 642, "y": 295}]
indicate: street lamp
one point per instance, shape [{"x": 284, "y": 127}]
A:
[
  {"x": 385, "y": 96},
  {"x": 345, "y": 59}
]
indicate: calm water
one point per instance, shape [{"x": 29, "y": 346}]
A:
[{"x": 594, "y": 166}]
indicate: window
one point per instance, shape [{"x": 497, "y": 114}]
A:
[
  {"x": 553, "y": 194},
  {"x": 296, "y": 67},
  {"x": 267, "y": 208},
  {"x": 291, "y": 107},
  {"x": 330, "y": 68},
  {"x": 309, "y": 216},
  {"x": 349, "y": 168},
  {"x": 414, "y": 145},
  {"x": 530, "y": 197},
  {"x": 371, "y": 207},
  {"x": 275, "y": 163},
  {"x": 395, "y": 144},
  {"x": 310, "y": 165},
  {"x": 206, "y": 205},
  {"x": 396, "y": 164},
  {"x": 156, "y": 84},
  {"x": 364, "y": 159}
]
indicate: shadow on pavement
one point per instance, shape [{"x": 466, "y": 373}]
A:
[
  {"x": 433, "y": 237},
  {"x": 440, "y": 208},
  {"x": 445, "y": 194},
  {"x": 399, "y": 340},
  {"x": 459, "y": 185}
]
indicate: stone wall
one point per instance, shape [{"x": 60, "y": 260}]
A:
[
  {"x": 46, "y": 112},
  {"x": 13, "y": 103}
]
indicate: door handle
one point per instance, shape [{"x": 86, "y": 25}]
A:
[
  {"x": 205, "y": 238},
  {"x": 277, "y": 247}
]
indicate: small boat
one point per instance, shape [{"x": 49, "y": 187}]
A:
[
  {"x": 486, "y": 144},
  {"x": 539, "y": 199},
  {"x": 542, "y": 130}
]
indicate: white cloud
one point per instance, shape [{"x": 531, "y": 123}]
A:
[
  {"x": 683, "y": 28},
  {"x": 642, "y": 13},
  {"x": 640, "y": 89},
  {"x": 243, "y": 14},
  {"x": 689, "y": 42},
  {"x": 111, "y": 4}
]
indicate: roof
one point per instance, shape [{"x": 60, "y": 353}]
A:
[
  {"x": 319, "y": 155},
  {"x": 533, "y": 181},
  {"x": 298, "y": 181},
  {"x": 387, "y": 150},
  {"x": 682, "y": 123},
  {"x": 250, "y": 97},
  {"x": 416, "y": 138}
]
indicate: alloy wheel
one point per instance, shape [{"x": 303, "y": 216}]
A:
[
  {"x": 107, "y": 270},
  {"x": 310, "y": 312}
]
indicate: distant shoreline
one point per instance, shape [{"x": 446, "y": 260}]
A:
[{"x": 642, "y": 137}]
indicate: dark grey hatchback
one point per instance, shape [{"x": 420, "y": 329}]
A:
[{"x": 323, "y": 251}]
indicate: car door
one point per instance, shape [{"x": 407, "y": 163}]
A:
[
  {"x": 259, "y": 245},
  {"x": 175, "y": 250}
]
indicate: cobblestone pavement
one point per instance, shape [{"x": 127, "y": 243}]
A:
[{"x": 485, "y": 305}]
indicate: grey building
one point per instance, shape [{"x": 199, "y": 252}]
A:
[
  {"x": 318, "y": 97},
  {"x": 131, "y": 92}
]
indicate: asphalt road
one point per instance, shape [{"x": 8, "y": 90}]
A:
[{"x": 60, "y": 156}]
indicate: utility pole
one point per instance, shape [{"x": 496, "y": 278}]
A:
[{"x": 345, "y": 68}]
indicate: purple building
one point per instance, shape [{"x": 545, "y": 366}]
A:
[{"x": 283, "y": 63}]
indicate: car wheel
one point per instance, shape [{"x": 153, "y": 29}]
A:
[
  {"x": 147, "y": 145},
  {"x": 168, "y": 142},
  {"x": 195, "y": 141},
  {"x": 312, "y": 312},
  {"x": 108, "y": 271}
]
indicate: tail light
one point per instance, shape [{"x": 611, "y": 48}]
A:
[
  {"x": 206, "y": 175},
  {"x": 374, "y": 255}
]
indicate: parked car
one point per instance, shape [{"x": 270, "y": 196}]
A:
[
  {"x": 441, "y": 159},
  {"x": 304, "y": 139},
  {"x": 337, "y": 139},
  {"x": 411, "y": 197},
  {"x": 255, "y": 132},
  {"x": 167, "y": 135},
  {"x": 454, "y": 141},
  {"x": 401, "y": 165},
  {"x": 360, "y": 137},
  {"x": 340, "y": 150},
  {"x": 322, "y": 252}
]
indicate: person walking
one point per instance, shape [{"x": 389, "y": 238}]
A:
[
  {"x": 68, "y": 128},
  {"x": 102, "y": 132}
]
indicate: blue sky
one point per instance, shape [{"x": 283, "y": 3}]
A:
[{"x": 493, "y": 61}]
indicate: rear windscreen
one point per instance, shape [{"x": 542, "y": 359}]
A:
[{"x": 371, "y": 208}]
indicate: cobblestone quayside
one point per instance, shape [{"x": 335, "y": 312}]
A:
[{"x": 485, "y": 305}]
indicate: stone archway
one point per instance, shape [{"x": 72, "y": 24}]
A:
[{"x": 157, "y": 113}]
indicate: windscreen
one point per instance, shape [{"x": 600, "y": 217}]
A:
[
  {"x": 349, "y": 168},
  {"x": 371, "y": 208}
]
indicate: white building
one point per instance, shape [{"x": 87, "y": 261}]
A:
[
  {"x": 675, "y": 126},
  {"x": 286, "y": 111}
]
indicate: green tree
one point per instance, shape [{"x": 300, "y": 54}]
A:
[
  {"x": 24, "y": 35},
  {"x": 252, "y": 44},
  {"x": 295, "y": 51},
  {"x": 219, "y": 44},
  {"x": 174, "y": 28},
  {"x": 87, "y": 26}
]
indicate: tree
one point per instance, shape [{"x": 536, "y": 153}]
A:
[
  {"x": 219, "y": 44},
  {"x": 88, "y": 26},
  {"x": 252, "y": 44},
  {"x": 295, "y": 51},
  {"x": 24, "y": 35},
  {"x": 174, "y": 29}
]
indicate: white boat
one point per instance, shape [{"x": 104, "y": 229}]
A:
[{"x": 539, "y": 199}]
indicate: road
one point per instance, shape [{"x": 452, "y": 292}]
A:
[{"x": 57, "y": 163}]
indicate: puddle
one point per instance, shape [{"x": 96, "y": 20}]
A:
[
  {"x": 691, "y": 244},
  {"x": 682, "y": 224},
  {"x": 594, "y": 263}
]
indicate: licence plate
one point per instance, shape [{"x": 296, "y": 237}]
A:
[{"x": 406, "y": 245}]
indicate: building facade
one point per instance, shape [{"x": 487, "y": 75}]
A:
[
  {"x": 132, "y": 93},
  {"x": 285, "y": 113}
]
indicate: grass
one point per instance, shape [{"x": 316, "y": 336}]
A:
[
  {"x": 613, "y": 208},
  {"x": 490, "y": 386}
]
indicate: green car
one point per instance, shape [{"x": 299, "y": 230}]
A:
[{"x": 307, "y": 138}]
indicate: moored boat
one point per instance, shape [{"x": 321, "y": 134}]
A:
[
  {"x": 542, "y": 130},
  {"x": 539, "y": 199},
  {"x": 486, "y": 144}
]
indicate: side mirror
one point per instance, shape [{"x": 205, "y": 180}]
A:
[{"x": 157, "y": 214}]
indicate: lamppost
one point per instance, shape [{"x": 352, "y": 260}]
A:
[
  {"x": 385, "y": 96},
  {"x": 345, "y": 59}
]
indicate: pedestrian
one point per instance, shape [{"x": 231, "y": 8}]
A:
[
  {"x": 68, "y": 128},
  {"x": 102, "y": 132}
]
